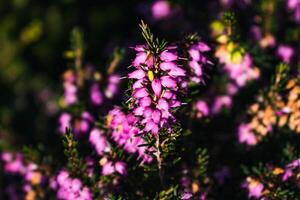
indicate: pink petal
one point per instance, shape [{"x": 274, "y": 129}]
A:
[
  {"x": 144, "y": 102},
  {"x": 156, "y": 87},
  {"x": 139, "y": 59},
  {"x": 156, "y": 115},
  {"x": 168, "y": 56},
  {"x": 140, "y": 93},
  {"x": 137, "y": 74},
  {"x": 168, "y": 82},
  {"x": 176, "y": 71},
  {"x": 167, "y": 66},
  {"x": 163, "y": 104}
]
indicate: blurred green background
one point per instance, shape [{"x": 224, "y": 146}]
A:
[{"x": 33, "y": 36}]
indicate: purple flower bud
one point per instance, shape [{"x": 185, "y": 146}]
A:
[
  {"x": 137, "y": 74},
  {"x": 140, "y": 58},
  {"x": 168, "y": 82},
  {"x": 203, "y": 47},
  {"x": 246, "y": 135},
  {"x": 120, "y": 168},
  {"x": 140, "y": 93},
  {"x": 165, "y": 66},
  {"x": 176, "y": 71},
  {"x": 98, "y": 141},
  {"x": 138, "y": 84},
  {"x": 64, "y": 122},
  {"x": 151, "y": 126},
  {"x": 156, "y": 87},
  {"x": 95, "y": 95},
  {"x": 108, "y": 168},
  {"x": 156, "y": 116},
  {"x": 161, "y": 9},
  {"x": 285, "y": 52},
  {"x": 163, "y": 104},
  {"x": 168, "y": 56},
  {"x": 194, "y": 53},
  {"x": 146, "y": 101}
]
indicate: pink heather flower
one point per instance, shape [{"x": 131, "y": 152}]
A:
[
  {"x": 64, "y": 122},
  {"x": 246, "y": 135},
  {"x": 231, "y": 89},
  {"x": 161, "y": 9},
  {"x": 125, "y": 133},
  {"x": 137, "y": 74},
  {"x": 13, "y": 164},
  {"x": 168, "y": 82},
  {"x": 29, "y": 171},
  {"x": 120, "y": 167},
  {"x": 197, "y": 61},
  {"x": 242, "y": 72},
  {"x": 140, "y": 93},
  {"x": 16, "y": 165},
  {"x": 70, "y": 96},
  {"x": 96, "y": 95},
  {"x": 285, "y": 53},
  {"x": 69, "y": 188},
  {"x": 155, "y": 87},
  {"x": 6, "y": 156},
  {"x": 98, "y": 140},
  {"x": 70, "y": 89},
  {"x": 254, "y": 187},
  {"x": 202, "y": 108},
  {"x": 294, "y": 164},
  {"x": 168, "y": 56},
  {"x": 113, "y": 86},
  {"x": 220, "y": 102},
  {"x": 85, "y": 122},
  {"x": 287, "y": 174},
  {"x": 108, "y": 168}
]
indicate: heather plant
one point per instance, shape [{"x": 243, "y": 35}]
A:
[{"x": 209, "y": 112}]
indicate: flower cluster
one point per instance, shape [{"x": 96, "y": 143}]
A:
[
  {"x": 254, "y": 187},
  {"x": 161, "y": 9},
  {"x": 98, "y": 140},
  {"x": 80, "y": 125},
  {"x": 70, "y": 88},
  {"x": 31, "y": 175},
  {"x": 157, "y": 81},
  {"x": 285, "y": 53},
  {"x": 126, "y": 134},
  {"x": 108, "y": 167},
  {"x": 69, "y": 188},
  {"x": 276, "y": 112},
  {"x": 197, "y": 61},
  {"x": 237, "y": 63}
]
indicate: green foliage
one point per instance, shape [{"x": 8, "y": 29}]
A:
[
  {"x": 168, "y": 194},
  {"x": 76, "y": 166},
  {"x": 154, "y": 44},
  {"x": 202, "y": 162}
]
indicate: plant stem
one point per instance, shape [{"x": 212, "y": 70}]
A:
[
  {"x": 78, "y": 66},
  {"x": 159, "y": 160}
]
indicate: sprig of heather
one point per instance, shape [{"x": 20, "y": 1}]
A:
[
  {"x": 156, "y": 82},
  {"x": 196, "y": 59},
  {"x": 126, "y": 134},
  {"x": 276, "y": 108},
  {"x": 69, "y": 188}
]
